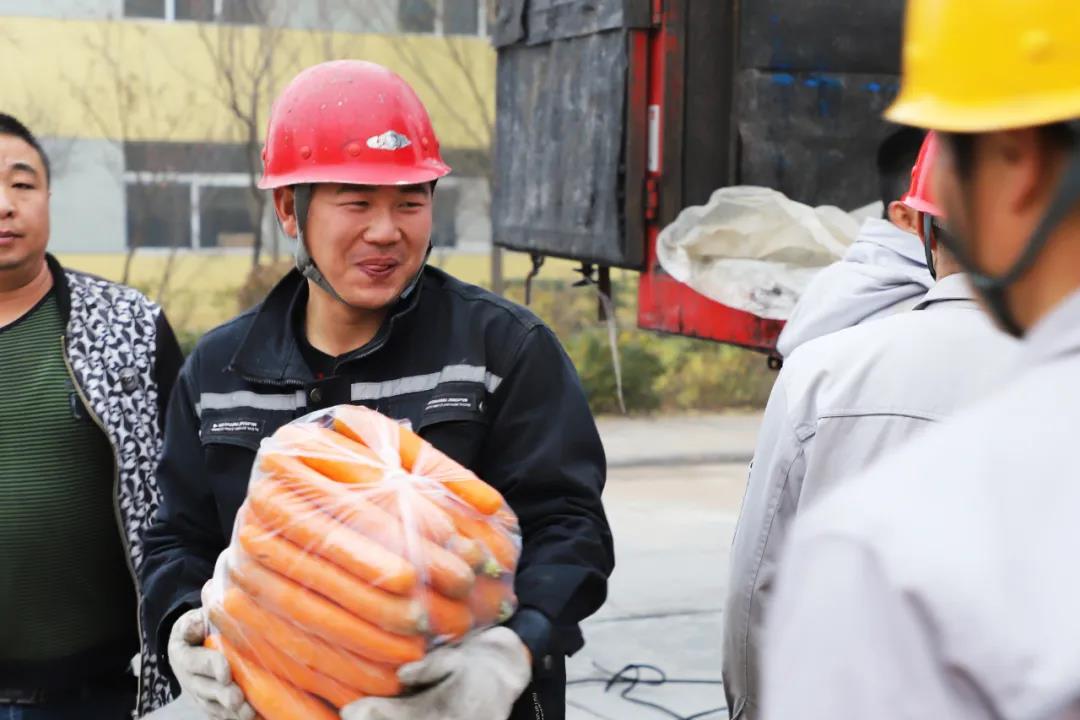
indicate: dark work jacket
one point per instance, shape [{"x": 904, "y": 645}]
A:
[{"x": 479, "y": 377}]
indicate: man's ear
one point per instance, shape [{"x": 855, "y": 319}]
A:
[
  {"x": 285, "y": 207},
  {"x": 904, "y": 217}
]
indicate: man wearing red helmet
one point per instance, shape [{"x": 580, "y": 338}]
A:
[
  {"x": 352, "y": 160},
  {"x": 841, "y": 402}
]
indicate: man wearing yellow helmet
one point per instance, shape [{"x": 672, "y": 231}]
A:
[{"x": 942, "y": 582}]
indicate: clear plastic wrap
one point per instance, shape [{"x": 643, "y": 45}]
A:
[{"x": 358, "y": 548}]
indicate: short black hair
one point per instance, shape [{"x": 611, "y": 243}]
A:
[
  {"x": 896, "y": 156},
  {"x": 11, "y": 126}
]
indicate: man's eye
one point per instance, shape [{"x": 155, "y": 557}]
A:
[
  {"x": 413, "y": 205},
  {"x": 23, "y": 186}
]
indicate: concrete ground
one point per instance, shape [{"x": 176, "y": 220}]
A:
[
  {"x": 672, "y": 497},
  {"x": 673, "y": 527}
]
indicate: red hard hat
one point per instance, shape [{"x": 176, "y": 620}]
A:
[
  {"x": 919, "y": 196},
  {"x": 349, "y": 121}
]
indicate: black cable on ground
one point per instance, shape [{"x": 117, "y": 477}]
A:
[{"x": 631, "y": 677}]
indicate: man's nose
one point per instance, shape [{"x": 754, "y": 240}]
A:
[
  {"x": 7, "y": 206},
  {"x": 382, "y": 230}
]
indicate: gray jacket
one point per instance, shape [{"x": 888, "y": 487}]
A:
[
  {"x": 839, "y": 404},
  {"x": 943, "y": 582},
  {"x": 882, "y": 273}
]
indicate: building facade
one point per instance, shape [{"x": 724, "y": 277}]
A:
[{"x": 153, "y": 111}]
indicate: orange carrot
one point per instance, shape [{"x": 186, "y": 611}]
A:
[
  {"x": 429, "y": 518},
  {"x": 332, "y": 661},
  {"x": 312, "y": 530},
  {"x": 272, "y": 697},
  {"x": 322, "y": 617},
  {"x": 447, "y": 572},
  {"x": 475, "y": 491},
  {"x": 266, "y": 654},
  {"x": 331, "y": 453},
  {"x": 372, "y": 429},
  {"x": 417, "y": 456},
  {"x": 447, "y": 617},
  {"x": 351, "y": 506},
  {"x": 492, "y": 601},
  {"x": 492, "y": 534},
  {"x": 410, "y": 446},
  {"x": 391, "y": 612},
  {"x": 475, "y": 555}
]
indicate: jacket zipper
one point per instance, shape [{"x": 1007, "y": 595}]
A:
[{"x": 116, "y": 509}]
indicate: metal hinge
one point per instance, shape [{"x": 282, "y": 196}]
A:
[{"x": 652, "y": 198}]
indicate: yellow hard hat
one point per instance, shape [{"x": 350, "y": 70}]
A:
[{"x": 983, "y": 65}]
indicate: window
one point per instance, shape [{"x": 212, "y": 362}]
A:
[
  {"x": 225, "y": 217},
  {"x": 144, "y": 8},
  {"x": 198, "y": 10},
  {"x": 461, "y": 17},
  {"x": 444, "y": 222},
  {"x": 157, "y": 215},
  {"x": 188, "y": 195},
  {"x": 243, "y": 12},
  {"x": 417, "y": 16},
  {"x": 450, "y": 17}
]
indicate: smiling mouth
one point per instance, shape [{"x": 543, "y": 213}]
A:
[{"x": 378, "y": 269}]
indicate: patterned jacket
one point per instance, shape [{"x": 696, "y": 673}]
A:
[{"x": 124, "y": 359}]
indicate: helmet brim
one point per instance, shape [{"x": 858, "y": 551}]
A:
[{"x": 353, "y": 175}]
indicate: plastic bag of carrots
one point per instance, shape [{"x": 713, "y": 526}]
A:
[{"x": 359, "y": 547}]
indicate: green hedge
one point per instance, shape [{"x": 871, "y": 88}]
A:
[{"x": 659, "y": 372}]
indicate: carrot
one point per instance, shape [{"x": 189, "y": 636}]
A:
[
  {"x": 418, "y": 457},
  {"x": 334, "y": 662},
  {"x": 491, "y": 534},
  {"x": 253, "y": 645},
  {"x": 331, "y": 453},
  {"x": 430, "y": 519},
  {"x": 475, "y": 554},
  {"x": 374, "y": 430},
  {"x": 447, "y": 617},
  {"x": 492, "y": 601},
  {"x": 352, "y": 508},
  {"x": 324, "y": 618},
  {"x": 272, "y": 697},
  {"x": 459, "y": 480},
  {"x": 303, "y": 523},
  {"x": 475, "y": 491},
  {"x": 391, "y": 612},
  {"x": 448, "y": 573},
  {"x": 410, "y": 445}
]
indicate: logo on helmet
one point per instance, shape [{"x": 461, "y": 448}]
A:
[{"x": 389, "y": 140}]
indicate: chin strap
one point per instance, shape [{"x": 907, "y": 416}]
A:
[
  {"x": 927, "y": 222},
  {"x": 306, "y": 265}
]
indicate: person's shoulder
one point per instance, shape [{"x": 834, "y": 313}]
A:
[
  {"x": 218, "y": 345},
  {"x": 108, "y": 291},
  {"x": 936, "y": 475},
  {"x": 483, "y": 302},
  {"x": 841, "y": 351}
]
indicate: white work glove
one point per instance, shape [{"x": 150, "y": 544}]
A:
[
  {"x": 480, "y": 679},
  {"x": 204, "y": 674}
]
